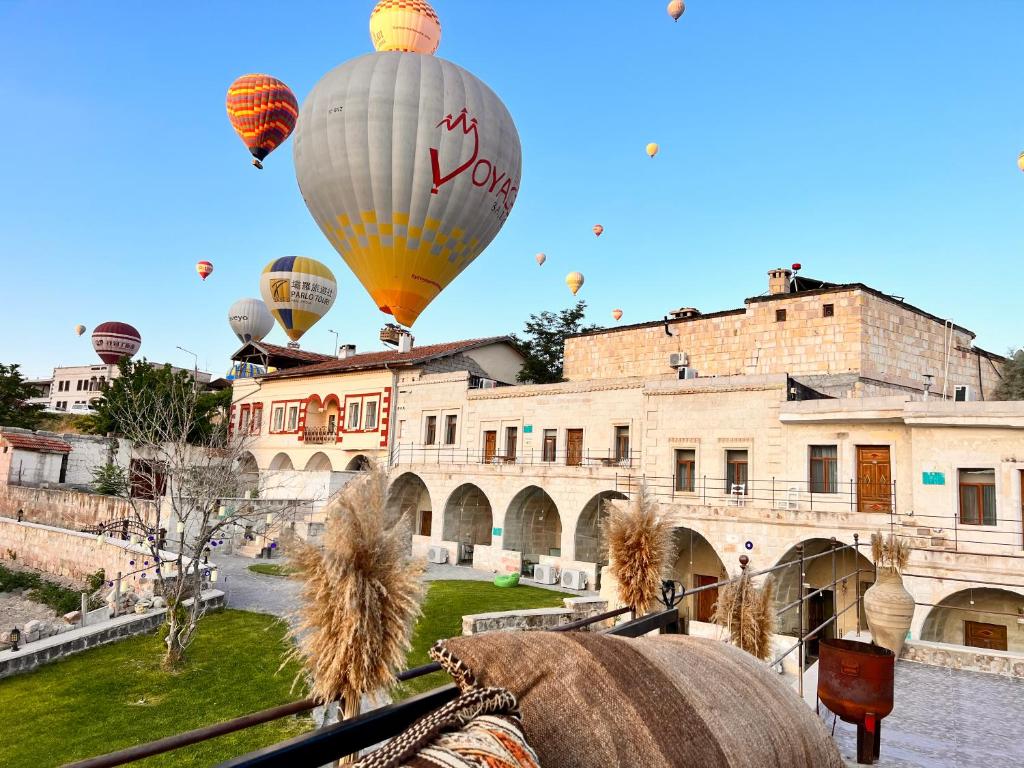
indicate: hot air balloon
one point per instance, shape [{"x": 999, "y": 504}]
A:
[
  {"x": 617, "y": 314},
  {"x": 298, "y": 291},
  {"x": 540, "y": 258},
  {"x": 652, "y": 149},
  {"x": 262, "y": 111},
  {"x": 244, "y": 371},
  {"x": 676, "y": 8},
  {"x": 411, "y": 26},
  {"x": 1020, "y": 161},
  {"x": 575, "y": 281},
  {"x": 598, "y": 229},
  {"x": 250, "y": 320},
  {"x": 410, "y": 165},
  {"x": 113, "y": 340},
  {"x": 79, "y": 329},
  {"x": 204, "y": 268}
]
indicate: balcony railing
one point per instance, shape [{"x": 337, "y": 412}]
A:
[
  {"x": 538, "y": 457},
  {"x": 318, "y": 435}
]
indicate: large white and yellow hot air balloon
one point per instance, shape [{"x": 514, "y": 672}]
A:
[
  {"x": 411, "y": 26},
  {"x": 250, "y": 320},
  {"x": 410, "y": 165},
  {"x": 575, "y": 281},
  {"x": 298, "y": 291}
]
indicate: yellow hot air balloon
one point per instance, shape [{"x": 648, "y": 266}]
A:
[
  {"x": 298, "y": 291},
  {"x": 617, "y": 314},
  {"x": 575, "y": 281},
  {"x": 79, "y": 329},
  {"x": 541, "y": 258},
  {"x": 1020, "y": 161},
  {"x": 652, "y": 149},
  {"x": 410, "y": 26},
  {"x": 676, "y": 8}
]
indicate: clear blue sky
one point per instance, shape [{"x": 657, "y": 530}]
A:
[{"x": 871, "y": 141}]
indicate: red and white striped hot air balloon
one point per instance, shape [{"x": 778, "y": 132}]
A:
[
  {"x": 113, "y": 340},
  {"x": 204, "y": 268}
]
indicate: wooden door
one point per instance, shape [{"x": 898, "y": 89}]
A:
[
  {"x": 574, "y": 447},
  {"x": 989, "y": 636},
  {"x": 874, "y": 479},
  {"x": 1021, "y": 474},
  {"x": 704, "y": 608},
  {"x": 490, "y": 445}
]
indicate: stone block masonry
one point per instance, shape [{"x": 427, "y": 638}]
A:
[
  {"x": 576, "y": 608},
  {"x": 68, "y": 509}
]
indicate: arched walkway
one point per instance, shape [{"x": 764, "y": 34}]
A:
[
  {"x": 280, "y": 462},
  {"x": 358, "y": 464},
  {"x": 248, "y": 473},
  {"x": 984, "y": 618},
  {"x": 467, "y": 519},
  {"x": 319, "y": 462},
  {"x": 408, "y": 495},
  {"x": 589, "y": 547},
  {"x": 697, "y": 564},
  {"x": 532, "y": 525}
]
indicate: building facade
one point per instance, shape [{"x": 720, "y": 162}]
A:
[{"x": 77, "y": 387}]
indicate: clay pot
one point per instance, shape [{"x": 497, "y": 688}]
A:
[{"x": 889, "y": 608}]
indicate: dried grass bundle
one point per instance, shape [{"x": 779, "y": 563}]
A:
[
  {"x": 361, "y": 596},
  {"x": 639, "y": 541},
  {"x": 747, "y": 613},
  {"x": 890, "y": 551}
]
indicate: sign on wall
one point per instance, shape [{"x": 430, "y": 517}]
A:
[
  {"x": 933, "y": 478},
  {"x": 528, "y": 428},
  {"x": 495, "y": 531}
]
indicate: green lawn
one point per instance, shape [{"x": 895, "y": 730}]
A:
[
  {"x": 271, "y": 570},
  {"x": 117, "y": 696}
]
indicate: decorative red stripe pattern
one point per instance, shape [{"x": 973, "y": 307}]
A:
[{"x": 263, "y": 112}]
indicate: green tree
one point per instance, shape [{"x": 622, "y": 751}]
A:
[
  {"x": 110, "y": 480},
  {"x": 544, "y": 343},
  {"x": 1011, "y": 387},
  {"x": 14, "y": 392}
]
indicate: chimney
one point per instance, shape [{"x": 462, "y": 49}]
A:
[
  {"x": 405, "y": 341},
  {"x": 778, "y": 281},
  {"x": 346, "y": 351}
]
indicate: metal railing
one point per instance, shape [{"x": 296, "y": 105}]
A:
[
  {"x": 949, "y": 533},
  {"x": 318, "y": 435},
  {"x": 451, "y": 454}
]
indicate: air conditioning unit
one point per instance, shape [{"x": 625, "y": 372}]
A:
[
  {"x": 545, "y": 574},
  {"x": 678, "y": 359},
  {"x": 686, "y": 372},
  {"x": 574, "y": 579},
  {"x": 488, "y": 384},
  {"x": 963, "y": 393},
  {"x": 437, "y": 555}
]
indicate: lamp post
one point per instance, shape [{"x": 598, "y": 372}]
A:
[
  {"x": 331, "y": 330},
  {"x": 195, "y": 365},
  {"x": 15, "y": 636}
]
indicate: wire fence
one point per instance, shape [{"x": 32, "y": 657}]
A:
[{"x": 513, "y": 455}]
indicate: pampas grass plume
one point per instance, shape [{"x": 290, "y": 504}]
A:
[
  {"x": 747, "y": 613},
  {"x": 639, "y": 541}
]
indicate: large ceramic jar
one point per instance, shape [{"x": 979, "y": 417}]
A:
[{"x": 889, "y": 608}]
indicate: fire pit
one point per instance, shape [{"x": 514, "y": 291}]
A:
[{"x": 855, "y": 680}]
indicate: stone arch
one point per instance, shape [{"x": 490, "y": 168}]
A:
[
  {"x": 248, "y": 473},
  {"x": 314, "y": 399},
  {"x": 532, "y": 524},
  {"x": 319, "y": 462},
  {"x": 467, "y": 516},
  {"x": 694, "y": 563},
  {"x": 359, "y": 463},
  {"x": 408, "y": 495},
  {"x": 589, "y": 547},
  {"x": 947, "y": 620},
  {"x": 281, "y": 461}
]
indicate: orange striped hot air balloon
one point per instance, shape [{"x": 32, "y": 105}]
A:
[
  {"x": 575, "y": 281},
  {"x": 617, "y": 314},
  {"x": 263, "y": 111},
  {"x": 598, "y": 229},
  {"x": 204, "y": 268}
]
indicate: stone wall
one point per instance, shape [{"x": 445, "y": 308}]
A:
[
  {"x": 576, "y": 608},
  {"x": 68, "y": 509},
  {"x": 1007, "y": 664}
]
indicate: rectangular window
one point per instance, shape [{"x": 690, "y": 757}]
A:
[
  {"x": 257, "y": 419},
  {"x": 511, "y": 437},
  {"x": 978, "y": 496},
  {"x": 353, "y": 415},
  {"x": 279, "y": 418},
  {"x": 828, "y": 310},
  {"x": 780, "y": 315},
  {"x": 622, "y": 444},
  {"x": 823, "y": 473},
  {"x": 430, "y": 433},
  {"x": 370, "y": 417},
  {"x": 736, "y": 472},
  {"x": 550, "y": 447},
  {"x": 451, "y": 422},
  {"x": 686, "y": 469},
  {"x": 78, "y": 388},
  {"x": 243, "y": 420},
  {"x": 293, "y": 418}
]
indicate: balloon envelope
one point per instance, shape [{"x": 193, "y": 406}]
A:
[
  {"x": 598, "y": 229},
  {"x": 407, "y": 25},
  {"x": 113, "y": 340},
  {"x": 652, "y": 149},
  {"x": 676, "y": 8},
  {"x": 79, "y": 329},
  {"x": 204, "y": 268},
  {"x": 410, "y": 165},
  {"x": 244, "y": 371},
  {"x": 575, "y": 281},
  {"x": 1020, "y": 161},
  {"x": 541, "y": 258},
  {"x": 617, "y": 314},
  {"x": 263, "y": 111},
  {"x": 298, "y": 291},
  {"x": 250, "y": 320}
]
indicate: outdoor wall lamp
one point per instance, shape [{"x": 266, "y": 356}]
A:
[
  {"x": 15, "y": 638},
  {"x": 672, "y": 592}
]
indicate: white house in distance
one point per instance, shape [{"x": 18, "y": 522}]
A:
[{"x": 30, "y": 459}]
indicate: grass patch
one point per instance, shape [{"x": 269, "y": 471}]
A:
[
  {"x": 272, "y": 570},
  {"x": 447, "y": 602},
  {"x": 58, "y": 597},
  {"x": 117, "y": 696}
]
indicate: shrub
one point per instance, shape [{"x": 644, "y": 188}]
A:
[{"x": 110, "y": 480}]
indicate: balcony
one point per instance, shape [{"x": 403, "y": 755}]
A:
[
  {"x": 318, "y": 435},
  {"x": 453, "y": 455}
]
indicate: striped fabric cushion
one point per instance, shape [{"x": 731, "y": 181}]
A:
[{"x": 670, "y": 701}]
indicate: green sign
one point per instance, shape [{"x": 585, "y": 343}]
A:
[
  {"x": 496, "y": 531},
  {"x": 933, "y": 478},
  {"x": 528, "y": 429}
]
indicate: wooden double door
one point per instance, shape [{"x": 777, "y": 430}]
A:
[{"x": 874, "y": 478}]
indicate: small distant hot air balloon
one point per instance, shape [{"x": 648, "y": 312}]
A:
[
  {"x": 598, "y": 229},
  {"x": 410, "y": 26},
  {"x": 113, "y": 340},
  {"x": 575, "y": 281},
  {"x": 263, "y": 111},
  {"x": 617, "y": 314},
  {"x": 652, "y": 149},
  {"x": 204, "y": 268},
  {"x": 676, "y": 8},
  {"x": 298, "y": 291},
  {"x": 1020, "y": 161},
  {"x": 541, "y": 258},
  {"x": 79, "y": 329},
  {"x": 250, "y": 320}
]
